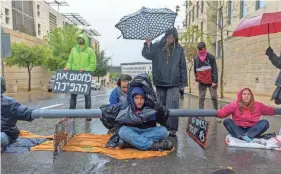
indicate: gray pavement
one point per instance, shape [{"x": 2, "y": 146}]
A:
[{"x": 187, "y": 158}]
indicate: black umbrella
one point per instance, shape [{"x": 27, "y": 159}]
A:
[{"x": 150, "y": 22}]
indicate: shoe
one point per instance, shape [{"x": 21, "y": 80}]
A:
[
  {"x": 172, "y": 133},
  {"x": 162, "y": 145},
  {"x": 123, "y": 144},
  {"x": 88, "y": 119}
]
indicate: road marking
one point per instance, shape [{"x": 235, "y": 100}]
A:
[
  {"x": 52, "y": 106},
  {"x": 60, "y": 104}
]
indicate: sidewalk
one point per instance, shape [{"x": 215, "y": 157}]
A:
[
  {"x": 28, "y": 96},
  {"x": 229, "y": 97}
]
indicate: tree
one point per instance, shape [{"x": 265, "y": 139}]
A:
[
  {"x": 114, "y": 76},
  {"x": 28, "y": 57},
  {"x": 221, "y": 14},
  {"x": 102, "y": 65},
  {"x": 189, "y": 40},
  {"x": 61, "y": 40}
]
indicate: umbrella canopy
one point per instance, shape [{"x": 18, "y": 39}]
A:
[
  {"x": 266, "y": 23},
  {"x": 146, "y": 22}
]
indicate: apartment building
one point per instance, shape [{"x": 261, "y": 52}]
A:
[
  {"x": 30, "y": 22},
  {"x": 245, "y": 62},
  {"x": 136, "y": 68}
]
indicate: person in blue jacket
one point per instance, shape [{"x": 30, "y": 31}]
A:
[
  {"x": 11, "y": 112},
  {"x": 119, "y": 94}
]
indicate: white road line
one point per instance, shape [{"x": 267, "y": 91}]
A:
[
  {"x": 60, "y": 104},
  {"x": 52, "y": 106}
]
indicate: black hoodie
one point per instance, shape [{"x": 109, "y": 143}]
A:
[{"x": 167, "y": 74}]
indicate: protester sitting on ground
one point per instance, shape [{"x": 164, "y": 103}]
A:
[
  {"x": 245, "y": 123},
  {"x": 11, "y": 112},
  {"x": 139, "y": 127},
  {"x": 119, "y": 94}
]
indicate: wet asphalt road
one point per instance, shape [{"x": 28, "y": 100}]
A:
[{"x": 187, "y": 158}]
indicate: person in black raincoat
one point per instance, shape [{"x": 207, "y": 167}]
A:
[
  {"x": 139, "y": 127},
  {"x": 11, "y": 112},
  {"x": 276, "y": 61},
  {"x": 168, "y": 71}
]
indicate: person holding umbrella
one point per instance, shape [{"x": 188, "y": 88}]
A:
[
  {"x": 276, "y": 61},
  {"x": 168, "y": 71}
]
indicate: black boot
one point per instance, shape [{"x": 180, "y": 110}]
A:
[
  {"x": 123, "y": 144},
  {"x": 162, "y": 145}
]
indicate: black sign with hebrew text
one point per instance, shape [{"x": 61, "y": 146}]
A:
[{"x": 74, "y": 82}]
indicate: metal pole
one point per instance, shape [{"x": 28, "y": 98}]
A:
[{"x": 97, "y": 113}]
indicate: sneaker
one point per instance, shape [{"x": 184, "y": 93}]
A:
[
  {"x": 172, "y": 133},
  {"x": 88, "y": 119},
  {"x": 123, "y": 144},
  {"x": 162, "y": 145}
]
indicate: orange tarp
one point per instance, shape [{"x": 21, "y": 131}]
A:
[{"x": 95, "y": 144}]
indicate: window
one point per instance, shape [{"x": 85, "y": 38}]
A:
[
  {"x": 7, "y": 12},
  {"x": 52, "y": 21},
  {"x": 219, "y": 51},
  {"x": 193, "y": 9},
  {"x": 39, "y": 29},
  {"x": 38, "y": 10},
  {"x": 202, "y": 31},
  {"x": 243, "y": 9},
  {"x": 7, "y": 18},
  {"x": 260, "y": 4},
  {"x": 197, "y": 9},
  {"x": 202, "y": 6},
  {"x": 229, "y": 12}
]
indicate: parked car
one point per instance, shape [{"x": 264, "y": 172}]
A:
[
  {"x": 51, "y": 83},
  {"x": 95, "y": 85}
]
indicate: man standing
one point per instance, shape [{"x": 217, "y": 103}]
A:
[
  {"x": 206, "y": 75},
  {"x": 168, "y": 71},
  {"x": 81, "y": 58}
]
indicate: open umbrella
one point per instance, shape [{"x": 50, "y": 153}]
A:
[
  {"x": 150, "y": 22},
  {"x": 266, "y": 23}
]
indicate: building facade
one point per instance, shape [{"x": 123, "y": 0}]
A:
[
  {"x": 30, "y": 22},
  {"x": 245, "y": 62},
  {"x": 136, "y": 68}
]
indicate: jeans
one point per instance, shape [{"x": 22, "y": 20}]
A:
[
  {"x": 202, "y": 95},
  {"x": 169, "y": 97},
  {"x": 4, "y": 139},
  {"x": 73, "y": 98},
  {"x": 252, "y": 132},
  {"x": 142, "y": 138}
]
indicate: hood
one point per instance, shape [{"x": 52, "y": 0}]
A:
[
  {"x": 3, "y": 85},
  {"x": 239, "y": 94},
  {"x": 172, "y": 31},
  {"x": 86, "y": 39},
  {"x": 135, "y": 91}
]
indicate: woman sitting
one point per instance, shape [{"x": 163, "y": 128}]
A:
[{"x": 245, "y": 123}]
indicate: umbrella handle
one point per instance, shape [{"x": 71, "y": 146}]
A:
[
  {"x": 119, "y": 36},
  {"x": 268, "y": 37}
]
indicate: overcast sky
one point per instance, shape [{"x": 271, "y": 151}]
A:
[{"x": 104, "y": 14}]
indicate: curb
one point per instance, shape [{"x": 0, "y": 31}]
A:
[{"x": 219, "y": 99}]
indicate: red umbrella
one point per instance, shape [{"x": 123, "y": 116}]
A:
[{"x": 263, "y": 24}]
